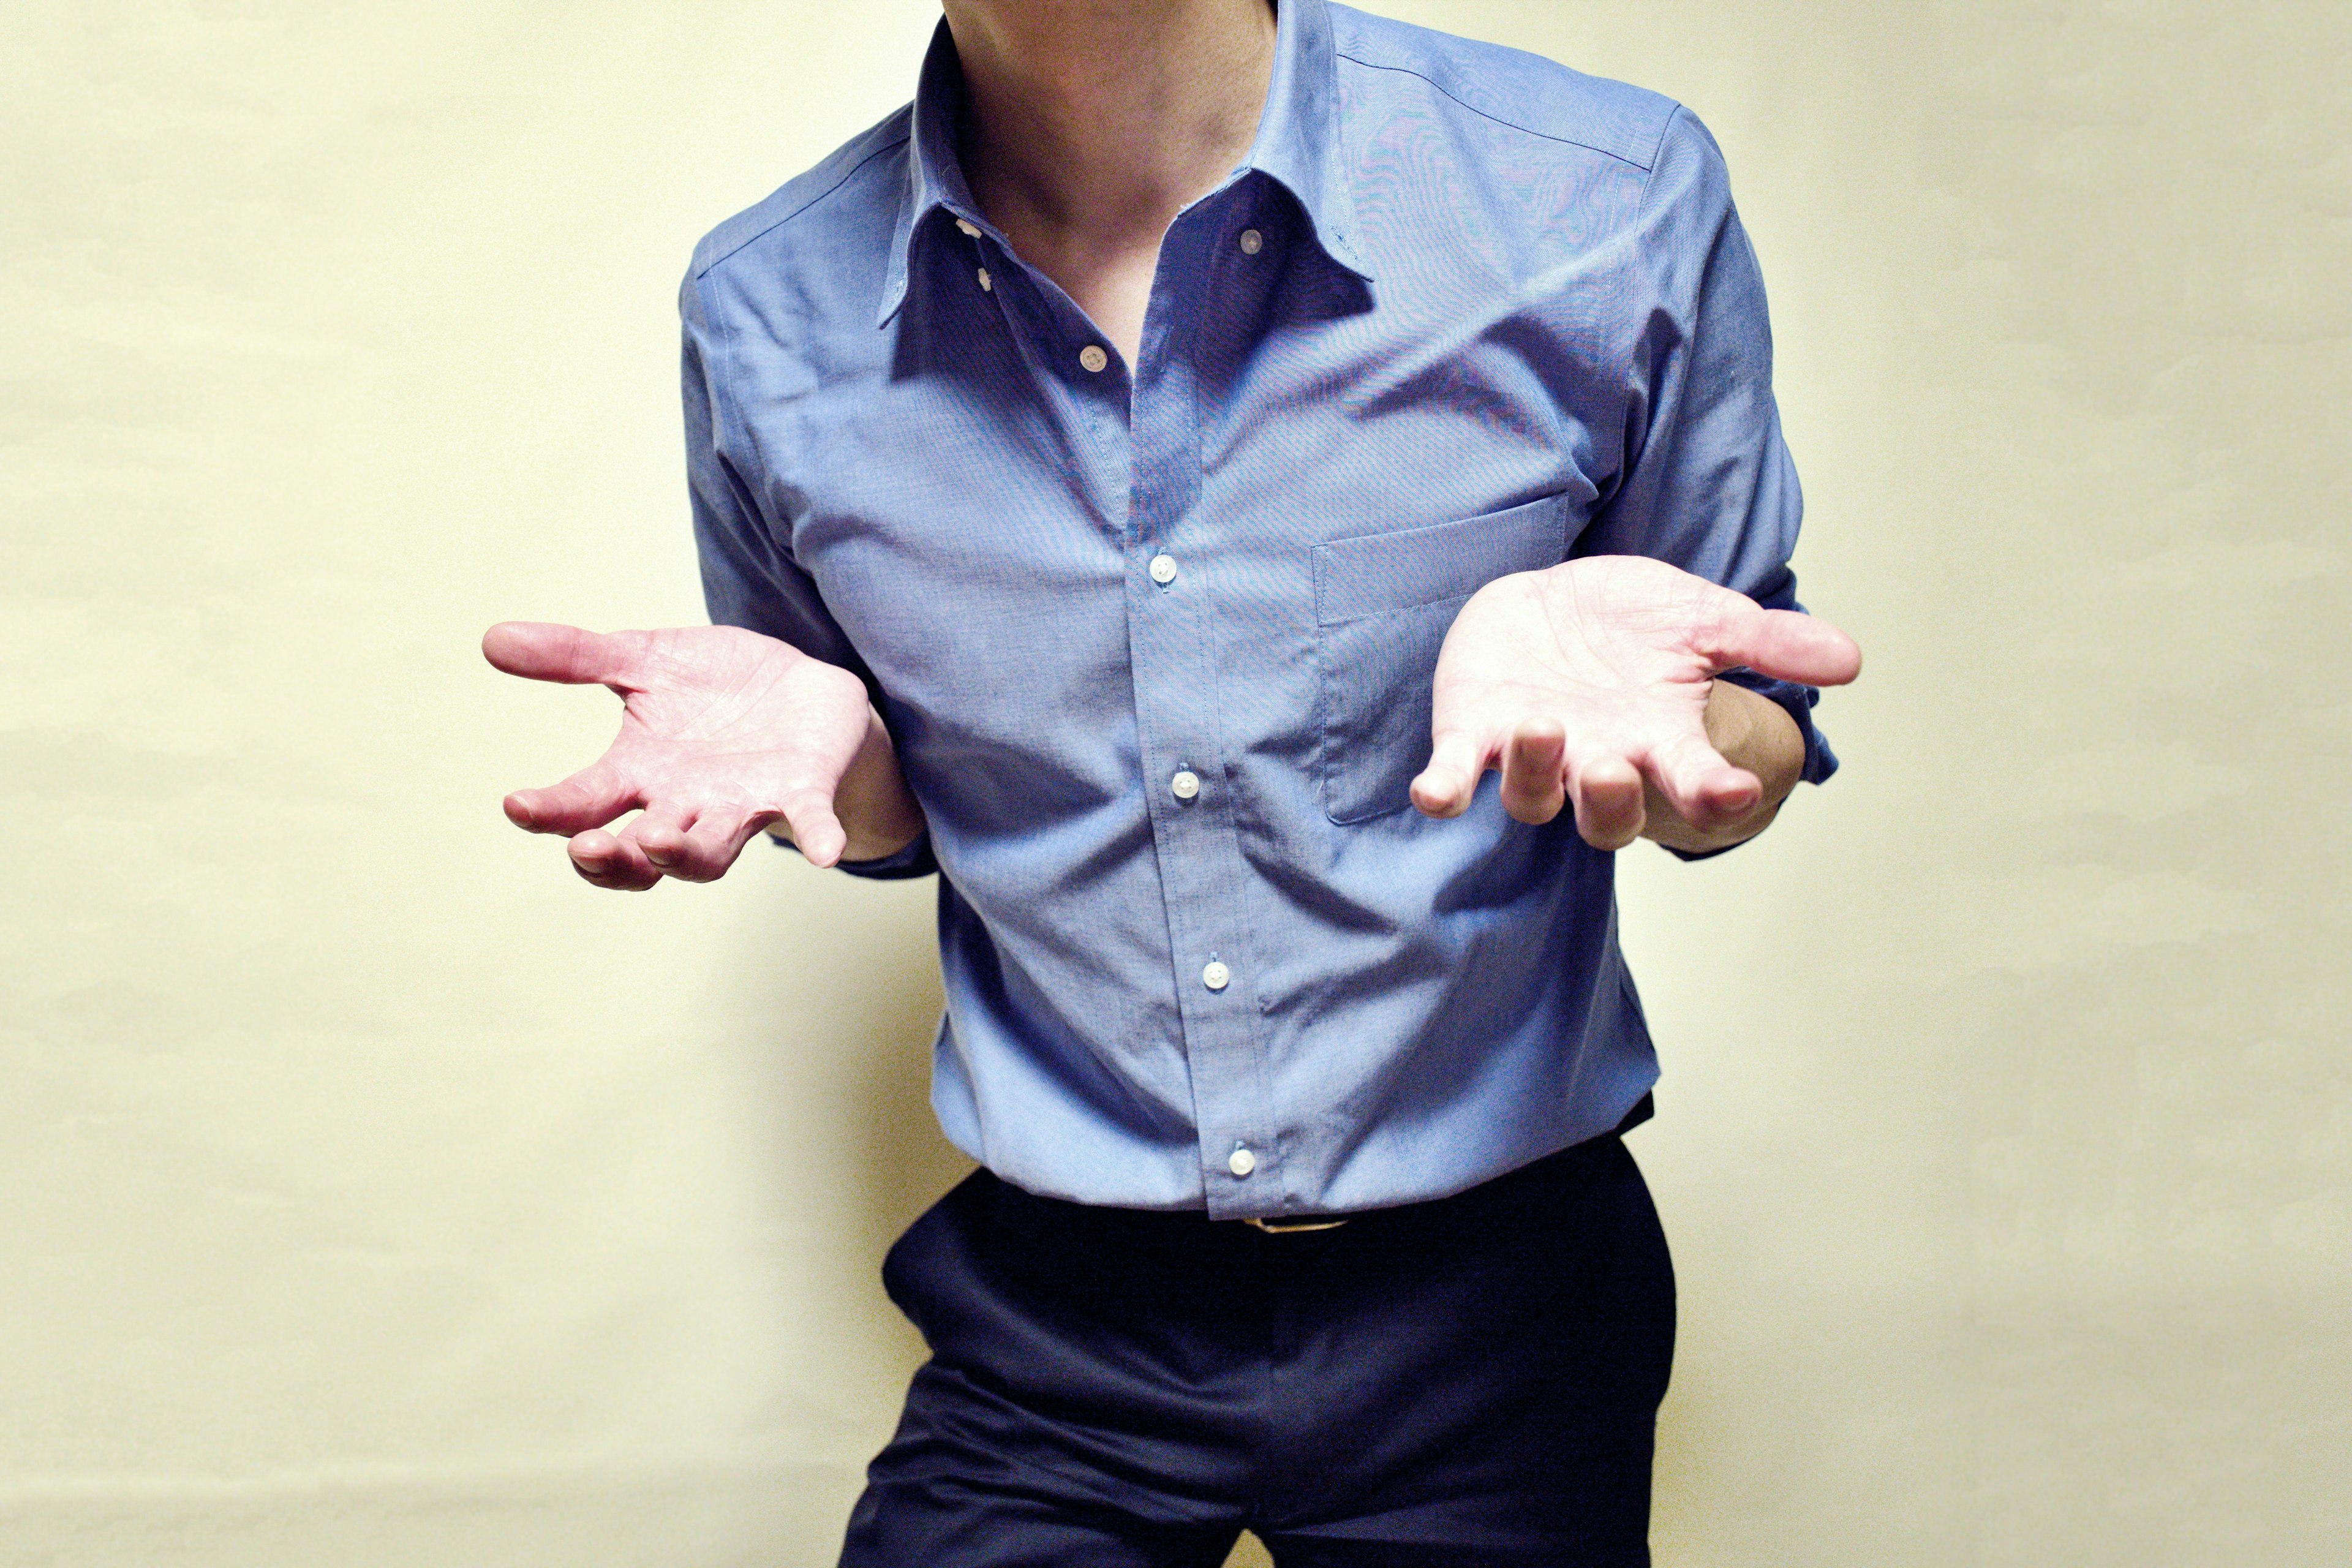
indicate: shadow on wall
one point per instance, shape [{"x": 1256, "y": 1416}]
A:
[
  {"x": 862, "y": 1060},
  {"x": 887, "y": 1093}
]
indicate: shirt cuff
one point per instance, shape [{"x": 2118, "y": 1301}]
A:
[
  {"x": 1798, "y": 701},
  {"x": 914, "y": 860}
]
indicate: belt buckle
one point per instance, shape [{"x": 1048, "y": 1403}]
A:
[{"x": 1293, "y": 1226}]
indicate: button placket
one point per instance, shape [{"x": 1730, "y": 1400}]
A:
[
  {"x": 1043, "y": 322},
  {"x": 1174, "y": 640}
]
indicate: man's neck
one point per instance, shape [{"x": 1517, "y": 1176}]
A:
[{"x": 1096, "y": 122}]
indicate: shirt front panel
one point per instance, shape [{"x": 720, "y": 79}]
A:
[{"x": 1156, "y": 647}]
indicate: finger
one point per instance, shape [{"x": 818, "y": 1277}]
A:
[
  {"x": 712, "y": 846},
  {"x": 659, "y": 832},
  {"x": 815, "y": 830},
  {"x": 543, "y": 650},
  {"x": 1445, "y": 786},
  {"x": 1535, "y": 771},
  {"x": 1704, "y": 790},
  {"x": 609, "y": 861},
  {"x": 589, "y": 799},
  {"x": 1783, "y": 644},
  {"x": 1607, "y": 792}
]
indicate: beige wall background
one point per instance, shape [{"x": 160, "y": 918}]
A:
[{"x": 372, "y": 1193}]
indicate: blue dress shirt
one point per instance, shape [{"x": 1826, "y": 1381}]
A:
[{"x": 1155, "y": 641}]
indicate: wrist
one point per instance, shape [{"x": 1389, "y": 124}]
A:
[
  {"x": 1749, "y": 732},
  {"x": 1752, "y": 731},
  {"x": 877, "y": 810}
]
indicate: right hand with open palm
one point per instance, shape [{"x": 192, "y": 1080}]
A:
[{"x": 722, "y": 731}]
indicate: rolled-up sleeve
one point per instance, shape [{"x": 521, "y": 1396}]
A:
[
  {"x": 747, "y": 579},
  {"x": 1705, "y": 482}
]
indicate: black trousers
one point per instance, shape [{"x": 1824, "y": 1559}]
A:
[{"x": 1464, "y": 1382}]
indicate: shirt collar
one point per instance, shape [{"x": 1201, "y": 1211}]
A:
[
  {"x": 1298, "y": 135},
  {"x": 1297, "y": 144}
]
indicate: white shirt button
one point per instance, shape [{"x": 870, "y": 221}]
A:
[
  {"x": 1241, "y": 1163},
  {"x": 1185, "y": 784},
  {"x": 985, "y": 284},
  {"x": 1093, "y": 358},
  {"x": 1252, "y": 242},
  {"x": 1164, "y": 569},
  {"x": 1216, "y": 976},
  {"x": 971, "y": 229}
]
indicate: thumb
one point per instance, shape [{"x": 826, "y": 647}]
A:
[
  {"x": 1783, "y": 644},
  {"x": 544, "y": 650}
]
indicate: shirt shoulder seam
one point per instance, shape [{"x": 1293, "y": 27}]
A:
[
  {"x": 1633, "y": 258},
  {"x": 703, "y": 269},
  {"x": 731, "y": 429},
  {"x": 1499, "y": 120},
  {"x": 1649, "y": 170}
]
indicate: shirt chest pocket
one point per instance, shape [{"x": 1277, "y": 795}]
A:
[{"x": 1383, "y": 602}]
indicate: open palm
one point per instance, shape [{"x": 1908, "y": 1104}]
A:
[
  {"x": 722, "y": 732},
  {"x": 1582, "y": 681}
]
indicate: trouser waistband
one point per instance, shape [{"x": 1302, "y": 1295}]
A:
[{"x": 1493, "y": 1199}]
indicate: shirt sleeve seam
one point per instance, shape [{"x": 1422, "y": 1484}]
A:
[
  {"x": 1637, "y": 300},
  {"x": 730, "y": 422}
]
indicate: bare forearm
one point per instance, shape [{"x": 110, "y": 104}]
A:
[{"x": 1752, "y": 732}]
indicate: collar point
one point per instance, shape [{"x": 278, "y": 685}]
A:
[{"x": 1343, "y": 250}]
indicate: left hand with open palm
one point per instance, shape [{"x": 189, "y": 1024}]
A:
[{"x": 1586, "y": 682}]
